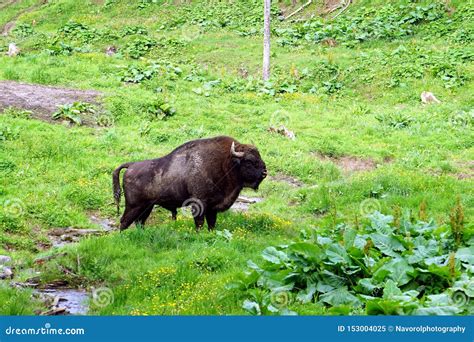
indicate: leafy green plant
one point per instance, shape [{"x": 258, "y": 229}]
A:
[
  {"x": 160, "y": 109},
  {"x": 131, "y": 30},
  {"x": 397, "y": 120},
  {"x": 78, "y": 31},
  {"x": 18, "y": 113},
  {"x": 8, "y": 133},
  {"x": 139, "y": 47},
  {"x": 381, "y": 267},
  {"x": 387, "y": 22},
  {"x": 73, "y": 112},
  {"x": 139, "y": 73},
  {"x": 23, "y": 30}
]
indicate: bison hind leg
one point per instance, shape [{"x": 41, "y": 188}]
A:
[
  {"x": 133, "y": 214},
  {"x": 144, "y": 216}
]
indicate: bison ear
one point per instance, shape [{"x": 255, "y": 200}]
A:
[{"x": 233, "y": 153}]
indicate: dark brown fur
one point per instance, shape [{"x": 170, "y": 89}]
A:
[{"x": 202, "y": 173}]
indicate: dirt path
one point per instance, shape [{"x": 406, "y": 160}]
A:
[
  {"x": 4, "y": 4},
  {"x": 6, "y": 29},
  {"x": 41, "y": 100}
]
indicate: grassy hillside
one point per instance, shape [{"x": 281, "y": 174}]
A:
[{"x": 348, "y": 88}]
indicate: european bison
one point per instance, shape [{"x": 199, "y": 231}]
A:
[{"x": 206, "y": 174}]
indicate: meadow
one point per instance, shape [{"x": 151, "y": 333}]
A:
[{"x": 368, "y": 210}]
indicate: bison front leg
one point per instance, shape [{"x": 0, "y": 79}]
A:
[
  {"x": 199, "y": 221},
  {"x": 211, "y": 218},
  {"x": 174, "y": 212}
]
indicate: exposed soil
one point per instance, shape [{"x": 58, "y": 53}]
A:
[
  {"x": 41, "y": 100},
  {"x": 331, "y": 4},
  {"x": 469, "y": 170},
  {"x": 294, "y": 182},
  {"x": 243, "y": 203},
  {"x": 4, "y": 4},
  {"x": 349, "y": 164},
  {"x": 6, "y": 29}
]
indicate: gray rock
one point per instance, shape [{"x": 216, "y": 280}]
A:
[
  {"x": 5, "y": 259},
  {"x": 5, "y": 272}
]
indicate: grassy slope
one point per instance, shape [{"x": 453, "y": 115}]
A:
[{"x": 61, "y": 175}]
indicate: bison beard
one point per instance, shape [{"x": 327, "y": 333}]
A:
[{"x": 207, "y": 174}]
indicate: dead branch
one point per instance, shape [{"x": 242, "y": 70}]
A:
[
  {"x": 348, "y": 2},
  {"x": 299, "y": 9}
]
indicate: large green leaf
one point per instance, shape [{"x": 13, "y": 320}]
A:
[
  {"x": 388, "y": 245},
  {"x": 336, "y": 254},
  {"x": 340, "y": 296},
  {"x": 397, "y": 269},
  {"x": 251, "y": 307},
  {"x": 447, "y": 310},
  {"x": 466, "y": 255},
  {"x": 308, "y": 251},
  {"x": 306, "y": 295},
  {"x": 381, "y": 223},
  {"x": 271, "y": 254},
  {"x": 366, "y": 285},
  {"x": 423, "y": 252},
  {"x": 332, "y": 279},
  {"x": 349, "y": 237},
  {"x": 391, "y": 289},
  {"x": 382, "y": 307}
]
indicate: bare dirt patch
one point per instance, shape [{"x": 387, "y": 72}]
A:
[
  {"x": 4, "y": 4},
  {"x": 330, "y": 5},
  {"x": 294, "y": 182},
  {"x": 6, "y": 29},
  {"x": 468, "y": 170},
  {"x": 349, "y": 164},
  {"x": 43, "y": 101},
  {"x": 243, "y": 203}
]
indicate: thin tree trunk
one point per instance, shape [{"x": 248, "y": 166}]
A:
[{"x": 266, "y": 39}]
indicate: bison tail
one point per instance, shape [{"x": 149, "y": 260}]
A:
[{"x": 116, "y": 184}]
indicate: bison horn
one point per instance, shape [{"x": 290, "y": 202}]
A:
[{"x": 234, "y": 153}]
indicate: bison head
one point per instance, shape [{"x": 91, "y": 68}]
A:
[{"x": 251, "y": 166}]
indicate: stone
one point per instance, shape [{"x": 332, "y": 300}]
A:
[
  {"x": 5, "y": 272},
  {"x": 13, "y": 50},
  {"x": 5, "y": 259}
]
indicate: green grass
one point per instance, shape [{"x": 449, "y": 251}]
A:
[{"x": 61, "y": 175}]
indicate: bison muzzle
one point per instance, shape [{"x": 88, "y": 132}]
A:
[{"x": 206, "y": 174}]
